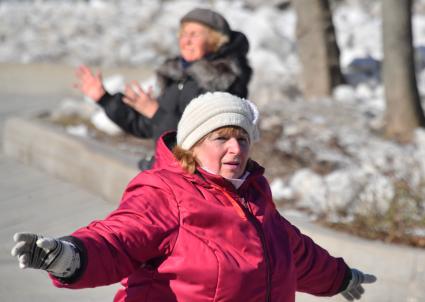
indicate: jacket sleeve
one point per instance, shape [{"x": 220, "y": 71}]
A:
[
  {"x": 143, "y": 228},
  {"x": 126, "y": 117},
  {"x": 163, "y": 121},
  {"x": 318, "y": 273},
  {"x": 166, "y": 119}
]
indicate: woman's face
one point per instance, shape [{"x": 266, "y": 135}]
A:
[
  {"x": 224, "y": 154},
  {"x": 193, "y": 41}
]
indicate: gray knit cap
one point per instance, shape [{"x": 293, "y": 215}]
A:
[
  {"x": 208, "y": 17},
  {"x": 214, "y": 110}
]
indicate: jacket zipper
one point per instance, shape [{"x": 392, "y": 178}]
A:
[
  {"x": 260, "y": 232},
  {"x": 250, "y": 217}
]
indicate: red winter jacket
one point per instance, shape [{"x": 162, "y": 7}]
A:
[{"x": 192, "y": 237}]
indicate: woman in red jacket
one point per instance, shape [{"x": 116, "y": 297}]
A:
[{"x": 201, "y": 226}]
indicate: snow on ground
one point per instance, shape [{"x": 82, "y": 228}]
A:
[{"x": 339, "y": 131}]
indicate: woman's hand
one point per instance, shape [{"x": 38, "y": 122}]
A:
[
  {"x": 355, "y": 290},
  {"x": 89, "y": 84},
  {"x": 58, "y": 257},
  {"x": 140, "y": 100}
]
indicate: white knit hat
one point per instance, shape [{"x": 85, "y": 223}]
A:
[{"x": 214, "y": 110}]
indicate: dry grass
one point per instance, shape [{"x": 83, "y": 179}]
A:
[{"x": 406, "y": 214}]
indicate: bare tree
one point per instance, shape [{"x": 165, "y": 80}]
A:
[
  {"x": 317, "y": 47},
  {"x": 403, "y": 111}
]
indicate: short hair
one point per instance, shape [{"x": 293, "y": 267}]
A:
[
  {"x": 187, "y": 159},
  {"x": 216, "y": 39}
]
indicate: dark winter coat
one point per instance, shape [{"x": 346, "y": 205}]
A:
[
  {"x": 193, "y": 237},
  {"x": 225, "y": 70}
]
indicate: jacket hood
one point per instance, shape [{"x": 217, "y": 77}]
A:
[
  {"x": 237, "y": 46},
  {"x": 163, "y": 151}
]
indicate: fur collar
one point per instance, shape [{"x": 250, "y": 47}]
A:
[{"x": 211, "y": 75}]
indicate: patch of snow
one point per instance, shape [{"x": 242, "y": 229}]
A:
[
  {"x": 281, "y": 190},
  {"x": 79, "y": 130},
  {"x": 102, "y": 122},
  {"x": 309, "y": 190}
]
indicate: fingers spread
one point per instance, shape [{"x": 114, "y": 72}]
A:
[
  {"x": 136, "y": 87},
  {"x": 369, "y": 278},
  {"x": 23, "y": 260},
  {"x": 138, "y": 90},
  {"x": 129, "y": 92},
  {"x": 357, "y": 292},
  {"x": 83, "y": 69},
  {"x": 19, "y": 248},
  {"x": 24, "y": 237},
  {"x": 47, "y": 244},
  {"x": 128, "y": 101},
  {"x": 347, "y": 296}
]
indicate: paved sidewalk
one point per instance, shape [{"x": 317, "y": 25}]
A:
[{"x": 33, "y": 201}]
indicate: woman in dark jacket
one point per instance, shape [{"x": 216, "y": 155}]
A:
[
  {"x": 200, "y": 227},
  {"x": 212, "y": 58}
]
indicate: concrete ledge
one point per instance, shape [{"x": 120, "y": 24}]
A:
[
  {"x": 105, "y": 171},
  {"x": 94, "y": 166}
]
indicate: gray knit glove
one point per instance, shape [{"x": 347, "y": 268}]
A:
[
  {"x": 58, "y": 257},
  {"x": 355, "y": 289}
]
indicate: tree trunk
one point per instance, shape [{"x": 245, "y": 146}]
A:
[
  {"x": 403, "y": 111},
  {"x": 317, "y": 47}
]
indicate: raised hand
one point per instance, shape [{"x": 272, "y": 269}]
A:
[
  {"x": 355, "y": 290},
  {"x": 58, "y": 257},
  {"x": 140, "y": 100},
  {"x": 89, "y": 84}
]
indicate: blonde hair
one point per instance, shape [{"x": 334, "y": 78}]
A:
[
  {"x": 187, "y": 159},
  {"x": 215, "y": 39}
]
